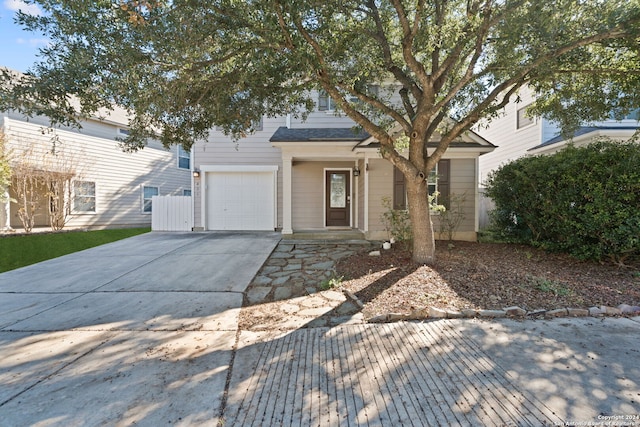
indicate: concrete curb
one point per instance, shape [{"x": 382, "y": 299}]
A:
[{"x": 514, "y": 312}]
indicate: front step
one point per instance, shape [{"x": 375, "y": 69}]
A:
[{"x": 326, "y": 235}]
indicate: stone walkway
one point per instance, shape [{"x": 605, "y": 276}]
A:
[{"x": 296, "y": 283}]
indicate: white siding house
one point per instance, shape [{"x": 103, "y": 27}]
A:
[
  {"x": 516, "y": 135},
  {"x": 107, "y": 187}
]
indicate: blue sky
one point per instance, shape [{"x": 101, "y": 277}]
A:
[{"x": 18, "y": 48}]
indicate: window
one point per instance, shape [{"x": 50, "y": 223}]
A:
[
  {"x": 186, "y": 192},
  {"x": 632, "y": 115},
  {"x": 147, "y": 194},
  {"x": 438, "y": 180},
  {"x": 523, "y": 120},
  {"x": 256, "y": 125},
  {"x": 123, "y": 132},
  {"x": 325, "y": 103},
  {"x": 184, "y": 160},
  {"x": 84, "y": 196},
  {"x": 432, "y": 183}
]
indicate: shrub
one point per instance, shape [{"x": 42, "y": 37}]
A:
[
  {"x": 396, "y": 222},
  {"x": 585, "y": 201}
]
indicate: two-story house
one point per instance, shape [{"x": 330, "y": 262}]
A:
[
  {"x": 316, "y": 176},
  {"x": 99, "y": 184},
  {"x": 516, "y": 134}
]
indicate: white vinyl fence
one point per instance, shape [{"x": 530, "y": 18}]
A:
[{"x": 171, "y": 213}]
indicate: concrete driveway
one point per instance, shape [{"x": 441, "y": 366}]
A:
[{"x": 139, "y": 331}]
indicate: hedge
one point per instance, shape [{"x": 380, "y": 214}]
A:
[{"x": 581, "y": 200}]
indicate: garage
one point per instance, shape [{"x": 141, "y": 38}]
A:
[{"x": 242, "y": 198}]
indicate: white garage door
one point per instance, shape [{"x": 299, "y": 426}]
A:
[{"x": 240, "y": 200}]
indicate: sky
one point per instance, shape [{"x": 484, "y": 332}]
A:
[{"x": 18, "y": 48}]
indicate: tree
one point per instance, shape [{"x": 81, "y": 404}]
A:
[
  {"x": 42, "y": 175},
  {"x": 183, "y": 66},
  {"x": 5, "y": 170}
]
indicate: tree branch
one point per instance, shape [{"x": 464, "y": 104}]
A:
[
  {"x": 407, "y": 45},
  {"x": 380, "y": 36}
]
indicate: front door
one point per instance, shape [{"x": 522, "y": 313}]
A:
[{"x": 338, "y": 198}]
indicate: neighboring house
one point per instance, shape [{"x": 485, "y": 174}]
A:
[
  {"x": 316, "y": 176},
  {"x": 517, "y": 135},
  {"x": 99, "y": 183}
]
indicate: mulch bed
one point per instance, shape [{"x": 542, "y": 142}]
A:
[{"x": 485, "y": 276}]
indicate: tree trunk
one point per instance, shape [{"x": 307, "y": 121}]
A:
[{"x": 424, "y": 247}]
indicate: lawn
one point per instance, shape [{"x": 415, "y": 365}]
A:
[{"x": 18, "y": 251}]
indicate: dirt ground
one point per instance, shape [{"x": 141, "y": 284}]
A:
[{"x": 485, "y": 276}]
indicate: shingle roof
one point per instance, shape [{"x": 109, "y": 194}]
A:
[
  {"x": 284, "y": 134},
  {"x": 583, "y": 130}
]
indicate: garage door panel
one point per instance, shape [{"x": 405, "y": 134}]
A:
[{"x": 240, "y": 200}]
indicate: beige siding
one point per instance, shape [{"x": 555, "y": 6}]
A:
[
  {"x": 255, "y": 149},
  {"x": 95, "y": 156},
  {"x": 380, "y": 185},
  {"x": 462, "y": 184},
  {"x": 308, "y": 193}
]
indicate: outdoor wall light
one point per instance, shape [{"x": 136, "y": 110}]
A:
[
  {"x": 196, "y": 173},
  {"x": 356, "y": 171}
]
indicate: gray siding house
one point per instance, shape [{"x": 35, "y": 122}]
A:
[
  {"x": 315, "y": 176},
  {"x": 107, "y": 187}
]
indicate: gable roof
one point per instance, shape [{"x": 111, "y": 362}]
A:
[{"x": 285, "y": 134}]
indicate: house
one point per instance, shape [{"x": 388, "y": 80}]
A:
[
  {"x": 518, "y": 135},
  {"x": 84, "y": 175},
  {"x": 316, "y": 176}
]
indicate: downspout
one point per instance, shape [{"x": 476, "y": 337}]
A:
[{"x": 193, "y": 187}]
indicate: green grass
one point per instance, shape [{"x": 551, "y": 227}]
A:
[{"x": 18, "y": 251}]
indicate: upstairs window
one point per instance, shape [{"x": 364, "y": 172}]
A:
[
  {"x": 631, "y": 115},
  {"x": 325, "y": 102},
  {"x": 523, "y": 120},
  {"x": 184, "y": 160},
  {"x": 256, "y": 125}
]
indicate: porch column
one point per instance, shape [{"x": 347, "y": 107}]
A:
[
  {"x": 286, "y": 196},
  {"x": 366, "y": 192}
]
